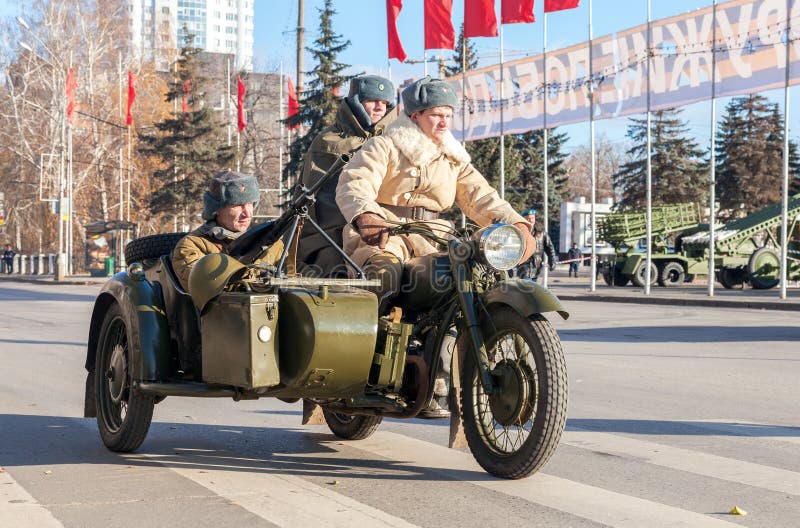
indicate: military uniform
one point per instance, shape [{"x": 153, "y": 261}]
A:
[
  {"x": 404, "y": 168},
  {"x": 533, "y": 267},
  {"x": 345, "y": 136}
]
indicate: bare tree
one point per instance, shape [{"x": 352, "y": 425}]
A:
[{"x": 610, "y": 156}]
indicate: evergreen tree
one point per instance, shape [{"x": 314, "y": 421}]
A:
[
  {"x": 190, "y": 147},
  {"x": 750, "y": 156},
  {"x": 458, "y": 55},
  {"x": 318, "y": 101},
  {"x": 531, "y": 175},
  {"x": 678, "y": 171}
]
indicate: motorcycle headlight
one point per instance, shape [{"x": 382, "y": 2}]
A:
[{"x": 501, "y": 245}]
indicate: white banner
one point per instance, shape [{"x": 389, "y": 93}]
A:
[{"x": 750, "y": 57}]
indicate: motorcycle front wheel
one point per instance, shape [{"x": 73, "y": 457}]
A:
[{"x": 515, "y": 430}]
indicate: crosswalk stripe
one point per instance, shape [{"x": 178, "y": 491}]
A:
[
  {"x": 589, "y": 502},
  {"x": 286, "y": 500},
  {"x": 681, "y": 459},
  {"x": 19, "y": 509}
]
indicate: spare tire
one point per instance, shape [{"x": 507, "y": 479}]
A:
[
  {"x": 764, "y": 268},
  {"x": 152, "y": 246}
]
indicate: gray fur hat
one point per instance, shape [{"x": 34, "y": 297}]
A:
[
  {"x": 370, "y": 88},
  {"x": 427, "y": 93},
  {"x": 229, "y": 188}
]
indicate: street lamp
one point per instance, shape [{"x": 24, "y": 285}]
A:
[{"x": 65, "y": 264}]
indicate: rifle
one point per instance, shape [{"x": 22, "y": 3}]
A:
[{"x": 255, "y": 241}]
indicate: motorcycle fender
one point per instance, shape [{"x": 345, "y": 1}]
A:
[
  {"x": 525, "y": 297},
  {"x": 149, "y": 344}
]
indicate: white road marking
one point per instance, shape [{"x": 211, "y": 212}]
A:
[
  {"x": 589, "y": 502},
  {"x": 19, "y": 509},
  {"x": 714, "y": 466},
  {"x": 749, "y": 429},
  {"x": 285, "y": 500}
]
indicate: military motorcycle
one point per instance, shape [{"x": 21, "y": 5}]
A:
[{"x": 250, "y": 330}]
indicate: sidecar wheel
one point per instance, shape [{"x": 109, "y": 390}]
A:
[
  {"x": 351, "y": 427},
  {"x": 513, "y": 433},
  {"x": 123, "y": 413}
]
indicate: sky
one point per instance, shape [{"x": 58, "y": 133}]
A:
[{"x": 363, "y": 23}]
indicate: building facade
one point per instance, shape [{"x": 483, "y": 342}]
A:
[{"x": 158, "y": 27}]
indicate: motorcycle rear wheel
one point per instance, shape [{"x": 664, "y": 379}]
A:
[
  {"x": 123, "y": 413},
  {"x": 514, "y": 433},
  {"x": 351, "y": 427}
]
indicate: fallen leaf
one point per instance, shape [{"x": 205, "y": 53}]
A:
[
  {"x": 737, "y": 511},
  {"x": 48, "y": 472},
  {"x": 334, "y": 483}
]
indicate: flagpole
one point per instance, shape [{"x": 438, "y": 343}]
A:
[
  {"x": 425, "y": 62},
  {"x": 502, "y": 124},
  {"x": 119, "y": 249},
  {"x": 593, "y": 283},
  {"x": 785, "y": 185},
  {"x": 649, "y": 182},
  {"x": 463, "y": 104},
  {"x": 280, "y": 143},
  {"x": 712, "y": 172},
  {"x": 227, "y": 107},
  {"x": 545, "y": 222},
  {"x": 70, "y": 209}
]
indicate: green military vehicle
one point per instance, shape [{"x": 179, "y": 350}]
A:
[
  {"x": 747, "y": 250},
  {"x": 669, "y": 267}
]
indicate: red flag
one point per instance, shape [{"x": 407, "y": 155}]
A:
[
  {"x": 71, "y": 85},
  {"x": 187, "y": 89},
  {"x": 131, "y": 97},
  {"x": 439, "y": 32},
  {"x": 517, "y": 11},
  {"x": 240, "y": 103},
  {"x": 479, "y": 18},
  {"x": 559, "y": 5},
  {"x": 396, "y": 50},
  {"x": 293, "y": 107}
]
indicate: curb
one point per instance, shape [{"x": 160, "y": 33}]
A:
[
  {"x": 50, "y": 281},
  {"x": 671, "y": 301}
]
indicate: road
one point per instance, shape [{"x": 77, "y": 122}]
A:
[{"x": 676, "y": 415}]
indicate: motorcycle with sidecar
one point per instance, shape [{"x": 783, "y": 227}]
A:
[{"x": 250, "y": 330}]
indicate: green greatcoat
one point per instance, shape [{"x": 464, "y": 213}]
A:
[{"x": 345, "y": 136}]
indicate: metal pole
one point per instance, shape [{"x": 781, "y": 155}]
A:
[
  {"x": 593, "y": 284},
  {"x": 425, "y": 62},
  {"x": 280, "y": 143},
  {"x": 712, "y": 173},
  {"x": 121, "y": 116},
  {"x": 463, "y": 104},
  {"x": 545, "y": 221},
  {"x": 502, "y": 122},
  {"x": 70, "y": 208},
  {"x": 300, "y": 38},
  {"x": 649, "y": 182},
  {"x": 62, "y": 264},
  {"x": 128, "y": 179},
  {"x": 785, "y": 184},
  {"x": 227, "y": 106}
]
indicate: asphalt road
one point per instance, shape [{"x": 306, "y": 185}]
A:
[{"x": 677, "y": 415}]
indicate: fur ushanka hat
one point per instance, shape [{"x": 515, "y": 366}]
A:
[
  {"x": 229, "y": 188},
  {"x": 427, "y": 93}
]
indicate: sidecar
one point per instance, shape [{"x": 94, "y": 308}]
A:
[{"x": 289, "y": 338}]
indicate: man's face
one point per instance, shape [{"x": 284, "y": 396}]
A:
[
  {"x": 531, "y": 218},
  {"x": 434, "y": 122},
  {"x": 376, "y": 109},
  {"x": 235, "y": 218}
]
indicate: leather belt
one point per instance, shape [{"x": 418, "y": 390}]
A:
[{"x": 411, "y": 213}]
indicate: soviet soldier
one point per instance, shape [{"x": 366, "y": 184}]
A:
[
  {"x": 228, "y": 211},
  {"x": 365, "y": 112},
  {"x": 532, "y": 268},
  {"x": 412, "y": 172}
]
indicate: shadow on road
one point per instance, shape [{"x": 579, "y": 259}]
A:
[
  {"x": 27, "y": 440},
  {"x": 32, "y": 342},
  {"x": 681, "y": 428},
  {"x": 683, "y": 334}
]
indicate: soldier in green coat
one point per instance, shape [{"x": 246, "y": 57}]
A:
[{"x": 365, "y": 112}]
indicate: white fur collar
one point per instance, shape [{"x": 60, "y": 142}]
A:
[{"x": 418, "y": 147}]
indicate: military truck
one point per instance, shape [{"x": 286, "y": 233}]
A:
[
  {"x": 669, "y": 267},
  {"x": 747, "y": 250}
]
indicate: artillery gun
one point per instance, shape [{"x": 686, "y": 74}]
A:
[
  {"x": 747, "y": 250},
  {"x": 625, "y": 231}
]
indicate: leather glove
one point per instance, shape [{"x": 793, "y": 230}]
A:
[
  {"x": 530, "y": 242},
  {"x": 373, "y": 229}
]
